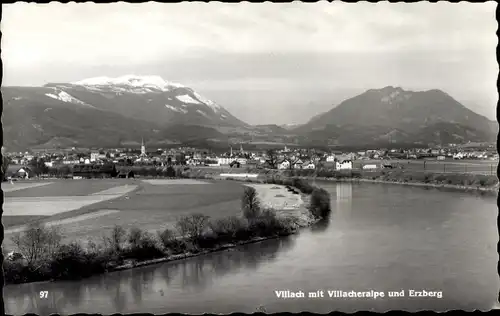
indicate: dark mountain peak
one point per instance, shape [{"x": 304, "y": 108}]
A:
[
  {"x": 438, "y": 92},
  {"x": 376, "y": 112}
]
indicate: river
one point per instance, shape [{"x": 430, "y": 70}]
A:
[{"x": 379, "y": 237}]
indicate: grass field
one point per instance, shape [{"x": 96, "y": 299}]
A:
[
  {"x": 486, "y": 167},
  {"x": 14, "y": 186},
  {"x": 61, "y": 187},
  {"x": 153, "y": 205}
]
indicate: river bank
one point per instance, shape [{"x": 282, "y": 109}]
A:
[
  {"x": 493, "y": 189},
  {"x": 287, "y": 205},
  {"x": 226, "y": 247},
  {"x": 193, "y": 235},
  {"x": 487, "y": 184}
]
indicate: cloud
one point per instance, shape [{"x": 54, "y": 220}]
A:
[{"x": 121, "y": 33}]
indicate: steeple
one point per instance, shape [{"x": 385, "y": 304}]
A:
[{"x": 143, "y": 148}]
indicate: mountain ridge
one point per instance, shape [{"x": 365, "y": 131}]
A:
[
  {"x": 376, "y": 112},
  {"x": 115, "y": 111}
]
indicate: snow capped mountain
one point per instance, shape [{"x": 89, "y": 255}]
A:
[
  {"x": 132, "y": 81},
  {"x": 65, "y": 97},
  {"x": 149, "y": 98},
  {"x": 173, "y": 108},
  {"x": 187, "y": 99},
  {"x": 121, "y": 103},
  {"x": 215, "y": 107}
]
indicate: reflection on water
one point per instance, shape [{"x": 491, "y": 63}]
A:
[
  {"x": 343, "y": 201},
  {"x": 322, "y": 225},
  {"x": 126, "y": 290},
  {"x": 380, "y": 237}
]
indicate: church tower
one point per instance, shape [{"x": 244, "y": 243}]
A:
[{"x": 143, "y": 149}]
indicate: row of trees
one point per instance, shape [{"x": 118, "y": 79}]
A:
[
  {"x": 273, "y": 159},
  {"x": 37, "y": 166},
  {"x": 5, "y": 165}
]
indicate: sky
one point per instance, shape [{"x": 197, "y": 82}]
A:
[{"x": 264, "y": 62}]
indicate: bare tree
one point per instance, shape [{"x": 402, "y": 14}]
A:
[
  {"x": 38, "y": 166},
  {"x": 272, "y": 158},
  {"x": 250, "y": 204},
  {"x": 293, "y": 160},
  {"x": 37, "y": 242},
  {"x": 192, "y": 226},
  {"x": 5, "y": 165},
  {"x": 116, "y": 240}
]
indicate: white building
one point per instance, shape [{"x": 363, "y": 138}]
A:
[
  {"x": 308, "y": 165},
  {"x": 94, "y": 156},
  {"x": 242, "y": 161},
  {"x": 71, "y": 162},
  {"x": 224, "y": 160},
  {"x": 285, "y": 164},
  {"x": 330, "y": 158},
  {"x": 368, "y": 167},
  {"x": 343, "y": 165}
]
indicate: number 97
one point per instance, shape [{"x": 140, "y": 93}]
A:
[{"x": 44, "y": 294}]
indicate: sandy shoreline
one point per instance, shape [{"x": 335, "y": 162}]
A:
[{"x": 284, "y": 202}]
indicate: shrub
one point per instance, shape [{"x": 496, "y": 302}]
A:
[
  {"x": 72, "y": 262},
  {"x": 229, "y": 228},
  {"x": 134, "y": 236},
  {"x": 491, "y": 181},
  {"x": 37, "y": 242},
  {"x": 440, "y": 178},
  {"x": 427, "y": 178},
  {"x": 170, "y": 172},
  {"x": 356, "y": 174},
  {"x": 142, "y": 246},
  {"x": 250, "y": 203},
  {"x": 171, "y": 243},
  {"x": 268, "y": 224},
  {"x": 21, "y": 272},
  {"x": 302, "y": 185},
  {"x": 115, "y": 241},
  {"x": 192, "y": 226},
  {"x": 320, "y": 203}
]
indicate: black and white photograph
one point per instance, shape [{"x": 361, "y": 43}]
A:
[{"x": 246, "y": 157}]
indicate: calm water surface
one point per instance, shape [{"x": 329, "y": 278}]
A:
[{"x": 380, "y": 237}]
